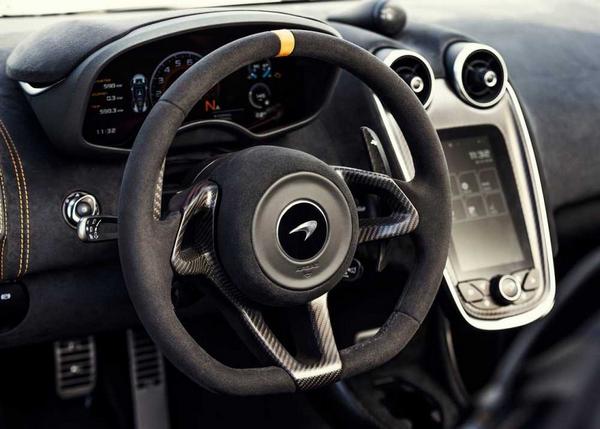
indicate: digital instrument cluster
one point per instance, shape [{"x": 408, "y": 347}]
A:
[{"x": 263, "y": 97}]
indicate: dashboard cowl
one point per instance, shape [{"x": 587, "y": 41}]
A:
[
  {"x": 63, "y": 121},
  {"x": 48, "y": 55}
]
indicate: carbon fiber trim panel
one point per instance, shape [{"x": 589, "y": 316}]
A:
[
  {"x": 157, "y": 206},
  {"x": 197, "y": 256},
  {"x": 306, "y": 376},
  {"x": 404, "y": 217}
]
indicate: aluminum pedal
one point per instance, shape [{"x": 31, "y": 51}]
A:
[
  {"x": 75, "y": 367},
  {"x": 147, "y": 374}
]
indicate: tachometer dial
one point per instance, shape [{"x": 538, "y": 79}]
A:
[{"x": 169, "y": 70}]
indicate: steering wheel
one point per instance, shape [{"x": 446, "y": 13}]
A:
[{"x": 270, "y": 226}]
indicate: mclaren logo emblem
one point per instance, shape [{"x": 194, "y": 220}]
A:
[{"x": 307, "y": 228}]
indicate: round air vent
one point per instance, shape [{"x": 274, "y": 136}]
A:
[
  {"x": 414, "y": 70},
  {"x": 479, "y": 73}
]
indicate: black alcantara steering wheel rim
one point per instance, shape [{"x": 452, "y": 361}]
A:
[{"x": 145, "y": 244}]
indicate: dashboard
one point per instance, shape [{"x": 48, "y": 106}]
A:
[
  {"x": 261, "y": 98},
  {"x": 74, "y": 131}
]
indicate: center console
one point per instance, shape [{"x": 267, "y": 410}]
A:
[
  {"x": 499, "y": 270},
  {"x": 490, "y": 262}
]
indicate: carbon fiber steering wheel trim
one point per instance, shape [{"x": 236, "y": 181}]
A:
[
  {"x": 200, "y": 258},
  {"x": 403, "y": 219}
]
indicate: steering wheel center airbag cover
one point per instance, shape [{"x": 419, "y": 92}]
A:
[
  {"x": 302, "y": 230},
  {"x": 286, "y": 227}
]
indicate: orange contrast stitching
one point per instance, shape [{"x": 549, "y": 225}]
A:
[
  {"x": 20, "y": 192},
  {"x": 26, "y": 206},
  {"x": 4, "y": 224}
]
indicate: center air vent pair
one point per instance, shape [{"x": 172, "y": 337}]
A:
[{"x": 477, "y": 72}]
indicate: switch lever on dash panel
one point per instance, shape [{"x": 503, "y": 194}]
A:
[{"x": 92, "y": 229}]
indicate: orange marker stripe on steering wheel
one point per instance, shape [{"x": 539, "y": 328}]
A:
[{"x": 286, "y": 38}]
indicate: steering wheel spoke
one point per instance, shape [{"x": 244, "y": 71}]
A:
[
  {"x": 403, "y": 217},
  {"x": 192, "y": 250},
  {"x": 323, "y": 367},
  {"x": 194, "y": 254}
]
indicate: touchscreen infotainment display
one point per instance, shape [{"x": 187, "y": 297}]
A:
[{"x": 488, "y": 233}]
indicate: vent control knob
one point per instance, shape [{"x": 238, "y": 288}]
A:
[
  {"x": 417, "y": 84},
  {"x": 490, "y": 78}
]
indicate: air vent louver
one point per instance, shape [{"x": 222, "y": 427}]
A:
[
  {"x": 75, "y": 367},
  {"x": 415, "y": 71},
  {"x": 479, "y": 73}
]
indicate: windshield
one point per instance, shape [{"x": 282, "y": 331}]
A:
[{"x": 45, "y": 7}]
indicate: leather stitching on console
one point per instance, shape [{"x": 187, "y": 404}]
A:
[
  {"x": 23, "y": 199},
  {"x": 12, "y": 158},
  {"x": 4, "y": 224}
]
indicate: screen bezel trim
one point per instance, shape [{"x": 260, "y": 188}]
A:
[{"x": 506, "y": 176}]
